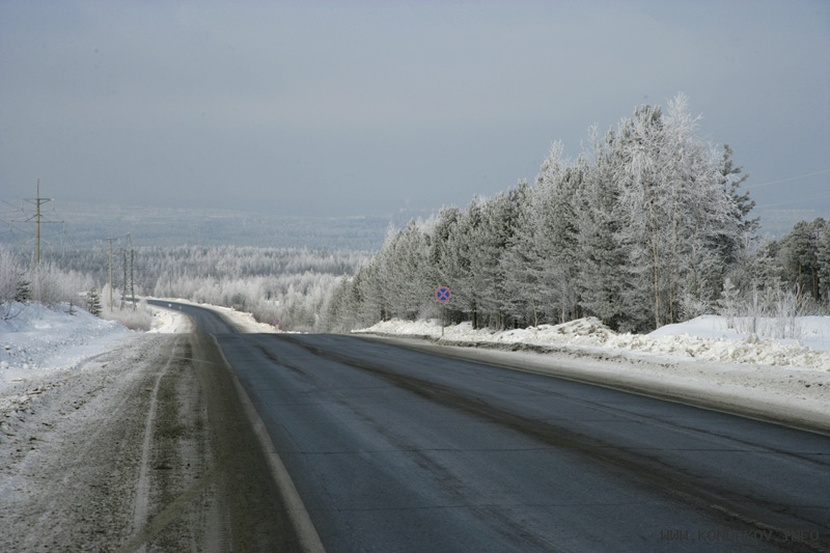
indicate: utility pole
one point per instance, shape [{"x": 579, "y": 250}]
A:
[
  {"x": 124, "y": 290},
  {"x": 132, "y": 268},
  {"x": 110, "y": 294},
  {"x": 38, "y": 218}
]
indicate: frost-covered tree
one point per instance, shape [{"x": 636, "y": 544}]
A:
[
  {"x": 641, "y": 230},
  {"x": 10, "y": 271},
  {"x": 463, "y": 266},
  {"x": 406, "y": 281},
  {"x": 685, "y": 215},
  {"x": 520, "y": 261},
  {"x": 499, "y": 221},
  {"x": 603, "y": 256},
  {"x": 546, "y": 239}
]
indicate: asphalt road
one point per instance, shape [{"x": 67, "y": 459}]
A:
[{"x": 392, "y": 449}]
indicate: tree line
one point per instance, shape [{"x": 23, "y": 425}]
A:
[
  {"x": 647, "y": 226},
  {"x": 289, "y": 285}
]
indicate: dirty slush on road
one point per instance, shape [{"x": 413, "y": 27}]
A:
[{"x": 145, "y": 448}]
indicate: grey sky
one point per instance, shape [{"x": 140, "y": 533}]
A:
[{"x": 348, "y": 108}]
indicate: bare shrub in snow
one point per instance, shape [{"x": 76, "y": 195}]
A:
[{"x": 139, "y": 318}]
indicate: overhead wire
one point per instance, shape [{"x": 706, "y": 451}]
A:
[{"x": 788, "y": 179}]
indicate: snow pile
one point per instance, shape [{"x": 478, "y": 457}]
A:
[
  {"x": 34, "y": 339},
  {"x": 707, "y": 338},
  {"x": 244, "y": 322},
  {"x": 168, "y": 321}
]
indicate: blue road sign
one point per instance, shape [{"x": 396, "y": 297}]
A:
[{"x": 443, "y": 294}]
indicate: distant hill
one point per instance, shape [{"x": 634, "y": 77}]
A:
[
  {"x": 78, "y": 226},
  {"x": 75, "y": 225}
]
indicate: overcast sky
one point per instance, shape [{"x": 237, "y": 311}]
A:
[{"x": 368, "y": 107}]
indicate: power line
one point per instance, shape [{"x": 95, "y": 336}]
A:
[
  {"x": 788, "y": 179},
  {"x": 790, "y": 202}
]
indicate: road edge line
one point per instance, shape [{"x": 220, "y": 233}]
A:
[{"x": 297, "y": 513}]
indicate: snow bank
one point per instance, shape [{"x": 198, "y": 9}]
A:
[
  {"x": 244, "y": 322},
  {"x": 35, "y": 339},
  {"x": 708, "y": 338},
  {"x": 168, "y": 321}
]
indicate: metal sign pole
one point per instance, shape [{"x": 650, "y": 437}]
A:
[{"x": 443, "y": 295}]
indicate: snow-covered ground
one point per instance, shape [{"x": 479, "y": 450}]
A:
[
  {"x": 244, "y": 322},
  {"x": 39, "y": 340},
  {"x": 707, "y": 338}
]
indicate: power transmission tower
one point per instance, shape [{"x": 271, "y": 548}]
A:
[
  {"x": 124, "y": 290},
  {"x": 111, "y": 239},
  {"x": 129, "y": 282},
  {"x": 38, "y": 219}
]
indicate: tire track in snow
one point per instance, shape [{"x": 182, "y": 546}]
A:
[{"x": 142, "y": 497}]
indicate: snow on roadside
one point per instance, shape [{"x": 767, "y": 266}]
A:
[
  {"x": 707, "y": 338},
  {"x": 35, "y": 339},
  {"x": 244, "y": 322},
  {"x": 702, "y": 361},
  {"x": 38, "y": 339},
  {"x": 168, "y": 321}
]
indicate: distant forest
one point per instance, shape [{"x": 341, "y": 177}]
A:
[{"x": 647, "y": 226}]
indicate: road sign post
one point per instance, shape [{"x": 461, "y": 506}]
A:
[{"x": 443, "y": 295}]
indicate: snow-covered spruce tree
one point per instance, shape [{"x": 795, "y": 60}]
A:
[
  {"x": 341, "y": 314},
  {"x": 385, "y": 275},
  {"x": 823, "y": 261},
  {"x": 799, "y": 252},
  {"x": 546, "y": 240},
  {"x": 23, "y": 292},
  {"x": 559, "y": 230},
  {"x": 406, "y": 277},
  {"x": 462, "y": 265},
  {"x": 603, "y": 256},
  {"x": 93, "y": 302},
  {"x": 372, "y": 306},
  {"x": 499, "y": 218},
  {"x": 442, "y": 260},
  {"x": 521, "y": 279}
]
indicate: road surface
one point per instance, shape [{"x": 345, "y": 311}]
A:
[{"x": 392, "y": 449}]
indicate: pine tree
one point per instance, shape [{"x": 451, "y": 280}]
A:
[
  {"x": 800, "y": 249},
  {"x": 23, "y": 294},
  {"x": 93, "y": 302},
  {"x": 603, "y": 257},
  {"x": 823, "y": 263},
  {"x": 558, "y": 187}
]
